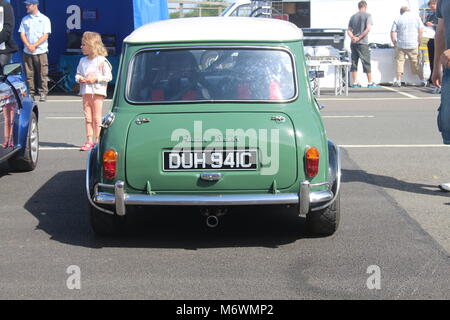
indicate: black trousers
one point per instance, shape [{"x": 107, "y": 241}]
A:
[{"x": 430, "y": 46}]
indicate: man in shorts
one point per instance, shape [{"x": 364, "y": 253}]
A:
[
  {"x": 406, "y": 35},
  {"x": 358, "y": 30}
]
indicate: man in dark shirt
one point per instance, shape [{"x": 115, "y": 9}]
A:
[
  {"x": 7, "y": 44},
  {"x": 442, "y": 79},
  {"x": 432, "y": 22},
  {"x": 358, "y": 30}
]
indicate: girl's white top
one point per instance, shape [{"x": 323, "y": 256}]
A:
[{"x": 100, "y": 68}]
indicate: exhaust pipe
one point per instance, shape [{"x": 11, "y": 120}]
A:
[
  {"x": 212, "y": 221},
  {"x": 212, "y": 216}
]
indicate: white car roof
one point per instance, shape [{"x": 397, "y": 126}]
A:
[{"x": 216, "y": 29}]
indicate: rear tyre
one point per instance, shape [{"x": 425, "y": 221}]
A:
[
  {"x": 28, "y": 161},
  {"x": 104, "y": 224},
  {"x": 324, "y": 222}
]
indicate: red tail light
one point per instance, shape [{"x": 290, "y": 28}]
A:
[
  {"x": 312, "y": 162},
  {"x": 110, "y": 164}
]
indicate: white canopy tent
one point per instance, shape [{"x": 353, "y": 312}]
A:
[{"x": 337, "y": 13}]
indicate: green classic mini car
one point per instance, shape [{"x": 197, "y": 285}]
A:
[{"x": 213, "y": 113}]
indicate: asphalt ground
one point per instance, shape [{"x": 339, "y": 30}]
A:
[{"x": 393, "y": 218}]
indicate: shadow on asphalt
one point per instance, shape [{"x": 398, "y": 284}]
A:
[
  {"x": 389, "y": 182},
  {"x": 4, "y": 169},
  {"x": 61, "y": 208},
  {"x": 56, "y": 145}
]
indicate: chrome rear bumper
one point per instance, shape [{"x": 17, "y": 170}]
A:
[{"x": 306, "y": 199}]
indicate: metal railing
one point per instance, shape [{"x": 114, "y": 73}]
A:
[{"x": 189, "y": 8}]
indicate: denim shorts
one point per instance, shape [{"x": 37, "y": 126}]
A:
[{"x": 443, "y": 119}]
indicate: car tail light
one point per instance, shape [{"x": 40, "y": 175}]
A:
[
  {"x": 110, "y": 164},
  {"x": 312, "y": 162}
]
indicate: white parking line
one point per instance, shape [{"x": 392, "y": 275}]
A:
[
  {"x": 58, "y": 148},
  {"x": 65, "y": 100},
  {"x": 400, "y": 92},
  {"x": 346, "y": 146},
  {"x": 347, "y": 117},
  {"x": 375, "y": 146},
  {"x": 71, "y": 100},
  {"x": 64, "y": 118},
  {"x": 328, "y": 117},
  {"x": 378, "y": 99}
]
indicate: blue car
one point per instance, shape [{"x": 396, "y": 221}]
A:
[{"x": 19, "y": 133}]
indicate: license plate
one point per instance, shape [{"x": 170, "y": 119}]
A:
[{"x": 205, "y": 160}]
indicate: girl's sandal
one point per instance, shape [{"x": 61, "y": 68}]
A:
[{"x": 87, "y": 146}]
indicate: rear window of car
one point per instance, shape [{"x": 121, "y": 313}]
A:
[{"x": 212, "y": 74}]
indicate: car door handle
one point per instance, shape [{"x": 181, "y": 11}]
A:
[{"x": 142, "y": 121}]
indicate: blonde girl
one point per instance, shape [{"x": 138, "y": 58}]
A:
[{"x": 93, "y": 75}]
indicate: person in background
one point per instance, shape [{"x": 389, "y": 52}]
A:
[
  {"x": 406, "y": 35},
  {"x": 34, "y": 30},
  {"x": 441, "y": 72},
  {"x": 7, "y": 44},
  {"x": 431, "y": 22},
  {"x": 358, "y": 29},
  {"x": 93, "y": 74}
]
